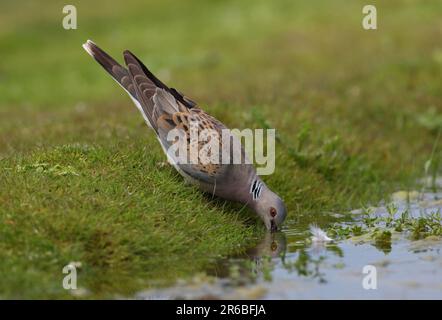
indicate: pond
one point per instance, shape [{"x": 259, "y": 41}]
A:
[{"x": 391, "y": 251}]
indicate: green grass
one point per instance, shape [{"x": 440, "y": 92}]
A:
[{"x": 356, "y": 112}]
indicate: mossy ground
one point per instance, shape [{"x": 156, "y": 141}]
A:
[{"x": 356, "y": 112}]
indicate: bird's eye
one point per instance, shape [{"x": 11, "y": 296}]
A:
[{"x": 272, "y": 212}]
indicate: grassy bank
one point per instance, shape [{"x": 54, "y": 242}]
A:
[{"x": 82, "y": 178}]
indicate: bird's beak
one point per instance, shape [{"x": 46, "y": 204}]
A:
[{"x": 273, "y": 226}]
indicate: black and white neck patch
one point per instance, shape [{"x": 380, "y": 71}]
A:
[{"x": 255, "y": 189}]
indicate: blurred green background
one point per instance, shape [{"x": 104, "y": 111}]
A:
[{"x": 357, "y": 114}]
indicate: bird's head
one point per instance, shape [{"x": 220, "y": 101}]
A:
[{"x": 271, "y": 209}]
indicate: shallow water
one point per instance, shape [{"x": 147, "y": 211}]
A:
[{"x": 288, "y": 265}]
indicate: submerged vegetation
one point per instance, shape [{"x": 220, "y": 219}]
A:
[
  {"x": 82, "y": 179},
  {"x": 379, "y": 229}
]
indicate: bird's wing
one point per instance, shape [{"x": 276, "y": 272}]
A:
[
  {"x": 154, "y": 96},
  {"x": 204, "y": 169},
  {"x": 166, "y": 112},
  {"x": 164, "y": 109},
  {"x": 129, "y": 57}
]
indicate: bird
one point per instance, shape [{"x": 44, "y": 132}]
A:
[{"x": 166, "y": 109}]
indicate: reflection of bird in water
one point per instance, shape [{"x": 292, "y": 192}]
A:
[{"x": 273, "y": 245}]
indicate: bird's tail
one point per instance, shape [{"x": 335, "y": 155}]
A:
[
  {"x": 137, "y": 81},
  {"x": 118, "y": 72}
]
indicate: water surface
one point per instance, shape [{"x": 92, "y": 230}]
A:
[{"x": 288, "y": 265}]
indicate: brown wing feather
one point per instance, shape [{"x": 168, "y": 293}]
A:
[
  {"x": 188, "y": 103},
  {"x": 182, "y": 120},
  {"x": 155, "y": 100},
  {"x": 166, "y": 112}
]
